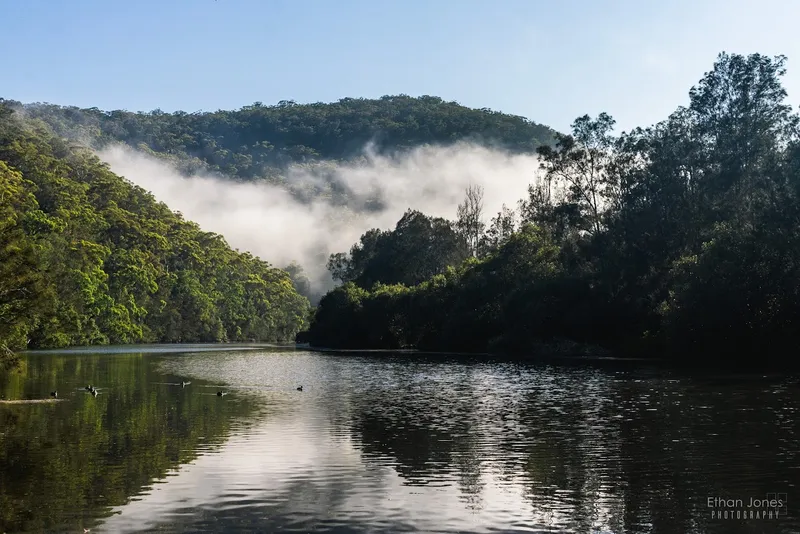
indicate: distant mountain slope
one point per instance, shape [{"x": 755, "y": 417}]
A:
[
  {"x": 250, "y": 143},
  {"x": 86, "y": 258}
]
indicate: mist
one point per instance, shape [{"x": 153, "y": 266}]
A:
[{"x": 270, "y": 222}]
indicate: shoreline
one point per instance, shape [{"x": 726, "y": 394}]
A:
[
  {"x": 162, "y": 347},
  {"x": 559, "y": 354},
  {"x": 491, "y": 355},
  {"x": 656, "y": 364}
]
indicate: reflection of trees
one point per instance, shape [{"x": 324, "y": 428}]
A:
[
  {"x": 428, "y": 433},
  {"x": 301, "y": 506},
  {"x": 421, "y": 450},
  {"x": 643, "y": 455},
  {"x": 594, "y": 450},
  {"x": 81, "y": 456},
  {"x": 705, "y": 438}
]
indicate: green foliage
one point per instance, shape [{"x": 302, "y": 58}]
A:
[
  {"x": 88, "y": 258},
  {"x": 418, "y": 248},
  {"x": 764, "y": 305},
  {"x": 21, "y": 288},
  {"x": 78, "y": 458},
  {"x": 679, "y": 239},
  {"x": 459, "y": 309},
  {"x": 582, "y": 161},
  {"x": 250, "y": 143}
]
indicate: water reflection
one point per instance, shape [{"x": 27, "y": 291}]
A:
[
  {"x": 397, "y": 444},
  {"x": 63, "y": 465}
]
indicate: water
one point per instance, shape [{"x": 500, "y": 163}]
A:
[{"x": 384, "y": 443}]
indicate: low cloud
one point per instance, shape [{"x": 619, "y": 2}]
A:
[{"x": 270, "y": 222}]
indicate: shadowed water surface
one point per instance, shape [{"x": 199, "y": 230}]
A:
[{"x": 385, "y": 443}]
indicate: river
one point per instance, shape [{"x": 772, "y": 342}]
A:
[{"x": 389, "y": 443}]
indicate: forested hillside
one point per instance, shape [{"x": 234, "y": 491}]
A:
[
  {"x": 88, "y": 258},
  {"x": 257, "y": 141},
  {"x": 682, "y": 239}
]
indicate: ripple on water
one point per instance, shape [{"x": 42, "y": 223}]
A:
[{"x": 399, "y": 444}]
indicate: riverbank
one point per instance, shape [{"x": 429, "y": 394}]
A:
[
  {"x": 8, "y": 359},
  {"x": 561, "y": 352},
  {"x": 159, "y": 347},
  {"x": 565, "y": 352}
]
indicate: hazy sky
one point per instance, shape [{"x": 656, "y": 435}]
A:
[{"x": 549, "y": 61}]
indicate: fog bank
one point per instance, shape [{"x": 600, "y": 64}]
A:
[{"x": 271, "y": 223}]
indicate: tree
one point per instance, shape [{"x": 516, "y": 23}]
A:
[
  {"x": 258, "y": 141},
  {"x": 349, "y": 267},
  {"x": 418, "y": 248},
  {"x": 469, "y": 220},
  {"x": 21, "y": 290},
  {"x": 548, "y": 208},
  {"x": 88, "y": 258},
  {"x": 742, "y": 122},
  {"x": 681, "y": 239},
  {"x": 301, "y": 282},
  {"x": 501, "y": 228},
  {"x": 581, "y": 161}
]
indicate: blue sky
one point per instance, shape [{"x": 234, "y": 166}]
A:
[{"x": 548, "y": 61}]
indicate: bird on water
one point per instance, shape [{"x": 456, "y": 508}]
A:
[
  {"x": 299, "y": 388},
  {"x": 54, "y": 394},
  {"x": 221, "y": 393}
]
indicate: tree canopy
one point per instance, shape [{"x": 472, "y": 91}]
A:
[
  {"x": 680, "y": 239},
  {"x": 86, "y": 258},
  {"x": 418, "y": 248},
  {"x": 256, "y": 141}
]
